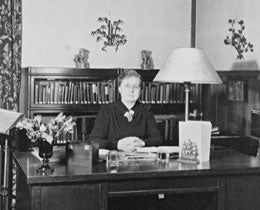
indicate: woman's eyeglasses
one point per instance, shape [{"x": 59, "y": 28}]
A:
[{"x": 130, "y": 87}]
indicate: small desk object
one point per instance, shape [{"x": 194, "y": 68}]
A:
[{"x": 230, "y": 180}]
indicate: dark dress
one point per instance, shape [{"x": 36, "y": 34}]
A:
[{"x": 111, "y": 125}]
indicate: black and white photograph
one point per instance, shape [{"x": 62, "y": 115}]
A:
[{"x": 129, "y": 105}]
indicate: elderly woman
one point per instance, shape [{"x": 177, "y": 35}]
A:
[{"x": 126, "y": 124}]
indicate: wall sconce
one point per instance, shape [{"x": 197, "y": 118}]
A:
[
  {"x": 109, "y": 33},
  {"x": 237, "y": 39}
]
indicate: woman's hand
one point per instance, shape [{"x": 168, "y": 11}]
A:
[{"x": 129, "y": 144}]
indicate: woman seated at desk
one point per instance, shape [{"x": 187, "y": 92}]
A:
[{"x": 126, "y": 124}]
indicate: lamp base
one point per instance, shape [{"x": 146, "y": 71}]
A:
[{"x": 187, "y": 91}]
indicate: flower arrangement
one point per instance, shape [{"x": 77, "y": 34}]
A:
[
  {"x": 237, "y": 39},
  {"x": 36, "y": 129}
]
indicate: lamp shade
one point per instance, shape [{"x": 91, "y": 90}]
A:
[{"x": 187, "y": 65}]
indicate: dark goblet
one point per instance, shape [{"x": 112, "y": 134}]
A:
[{"x": 45, "y": 152}]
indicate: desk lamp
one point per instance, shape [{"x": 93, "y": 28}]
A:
[{"x": 187, "y": 66}]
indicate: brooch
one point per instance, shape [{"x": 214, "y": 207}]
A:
[{"x": 129, "y": 115}]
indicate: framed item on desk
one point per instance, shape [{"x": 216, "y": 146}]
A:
[{"x": 237, "y": 90}]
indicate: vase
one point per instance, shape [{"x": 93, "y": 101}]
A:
[
  {"x": 45, "y": 152},
  {"x": 22, "y": 141}
]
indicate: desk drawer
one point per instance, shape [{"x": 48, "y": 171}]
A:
[{"x": 163, "y": 185}]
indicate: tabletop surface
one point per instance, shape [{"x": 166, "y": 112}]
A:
[{"x": 78, "y": 167}]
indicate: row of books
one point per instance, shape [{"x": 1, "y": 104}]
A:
[
  {"x": 74, "y": 92},
  {"x": 158, "y": 93},
  {"x": 168, "y": 128},
  {"x": 82, "y": 92},
  {"x": 68, "y": 137}
]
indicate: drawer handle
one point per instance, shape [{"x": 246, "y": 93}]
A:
[{"x": 161, "y": 196}]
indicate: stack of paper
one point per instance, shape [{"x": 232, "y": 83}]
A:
[
  {"x": 166, "y": 149},
  {"x": 134, "y": 156},
  {"x": 142, "y": 153}
]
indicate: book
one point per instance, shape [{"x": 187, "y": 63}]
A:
[
  {"x": 98, "y": 93},
  {"x": 72, "y": 93},
  {"x": 52, "y": 92},
  {"x": 48, "y": 93},
  {"x": 63, "y": 94},
  {"x": 215, "y": 130},
  {"x": 94, "y": 93},
  {"x": 84, "y": 98},
  {"x": 153, "y": 94},
  {"x": 146, "y": 94},
  {"x": 166, "y": 131},
  {"x": 75, "y": 94},
  {"x": 106, "y": 94},
  {"x": 172, "y": 126},
  {"x": 160, "y": 123},
  {"x": 36, "y": 93},
  {"x": 8, "y": 120},
  {"x": 161, "y": 94},
  {"x": 168, "y": 127},
  {"x": 103, "y": 94},
  {"x": 167, "y": 93},
  {"x": 66, "y": 94},
  {"x": 111, "y": 91},
  {"x": 171, "y": 92},
  {"x": 87, "y": 95},
  {"x": 197, "y": 133},
  {"x": 81, "y": 93}
]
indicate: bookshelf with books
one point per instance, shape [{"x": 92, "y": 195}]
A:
[
  {"x": 80, "y": 92},
  {"x": 167, "y": 98},
  {"x": 168, "y": 127},
  {"x": 73, "y": 92}
]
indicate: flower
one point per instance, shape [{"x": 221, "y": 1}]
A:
[
  {"x": 37, "y": 129},
  {"x": 129, "y": 115}
]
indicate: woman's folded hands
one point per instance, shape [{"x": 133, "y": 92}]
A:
[{"x": 130, "y": 143}]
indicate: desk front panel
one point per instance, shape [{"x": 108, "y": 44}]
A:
[
  {"x": 167, "y": 185},
  {"x": 243, "y": 192}
]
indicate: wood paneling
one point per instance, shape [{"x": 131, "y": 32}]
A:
[
  {"x": 232, "y": 116},
  {"x": 243, "y": 192}
]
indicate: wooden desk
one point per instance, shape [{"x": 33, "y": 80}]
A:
[{"x": 229, "y": 181}]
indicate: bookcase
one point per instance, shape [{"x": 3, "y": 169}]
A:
[{"x": 80, "y": 92}]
